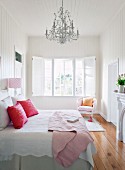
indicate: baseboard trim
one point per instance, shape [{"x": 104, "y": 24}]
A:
[{"x": 103, "y": 115}]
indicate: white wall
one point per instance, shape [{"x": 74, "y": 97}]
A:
[
  {"x": 112, "y": 47},
  {"x": 11, "y": 37},
  {"x": 39, "y": 46}
]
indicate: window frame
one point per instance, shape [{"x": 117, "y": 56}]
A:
[{"x": 74, "y": 75}]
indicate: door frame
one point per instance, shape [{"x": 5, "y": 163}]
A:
[{"x": 116, "y": 62}]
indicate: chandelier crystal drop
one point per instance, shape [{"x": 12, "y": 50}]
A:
[{"x": 62, "y": 29}]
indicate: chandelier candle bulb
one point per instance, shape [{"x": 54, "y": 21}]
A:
[
  {"x": 72, "y": 24},
  {"x": 77, "y": 32},
  {"x": 65, "y": 26},
  {"x": 54, "y": 24},
  {"x": 46, "y": 33}
]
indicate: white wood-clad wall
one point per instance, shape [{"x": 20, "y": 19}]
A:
[
  {"x": 11, "y": 37},
  {"x": 38, "y": 46},
  {"x": 112, "y": 47}
]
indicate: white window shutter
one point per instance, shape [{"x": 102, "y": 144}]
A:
[
  {"x": 38, "y": 76},
  {"x": 89, "y": 75}
]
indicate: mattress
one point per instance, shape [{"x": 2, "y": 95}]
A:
[{"x": 34, "y": 139}]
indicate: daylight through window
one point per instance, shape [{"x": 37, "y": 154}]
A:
[{"x": 63, "y": 77}]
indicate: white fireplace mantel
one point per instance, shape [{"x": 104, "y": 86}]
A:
[{"x": 120, "y": 131}]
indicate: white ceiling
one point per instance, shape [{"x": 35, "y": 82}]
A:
[{"x": 90, "y": 16}]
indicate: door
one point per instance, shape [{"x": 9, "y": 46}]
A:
[
  {"x": 0, "y": 74},
  {"x": 112, "y": 101}
]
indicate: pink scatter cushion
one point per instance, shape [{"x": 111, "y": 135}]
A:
[
  {"x": 28, "y": 107},
  {"x": 17, "y": 115}
]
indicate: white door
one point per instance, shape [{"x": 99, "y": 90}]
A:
[
  {"x": 112, "y": 101},
  {"x": 0, "y": 74}
]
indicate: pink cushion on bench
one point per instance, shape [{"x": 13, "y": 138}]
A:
[{"x": 85, "y": 108}]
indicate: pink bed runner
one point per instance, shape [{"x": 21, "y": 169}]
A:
[{"x": 69, "y": 139}]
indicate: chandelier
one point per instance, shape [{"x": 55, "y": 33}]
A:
[{"x": 62, "y": 29}]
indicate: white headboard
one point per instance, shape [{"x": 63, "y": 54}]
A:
[{"x": 3, "y": 94}]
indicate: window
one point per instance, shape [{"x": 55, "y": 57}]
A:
[
  {"x": 18, "y": 57},
  {"x": 63, "y": 77}
]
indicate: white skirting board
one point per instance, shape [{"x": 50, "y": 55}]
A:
[{"x": 103, "y": 115}]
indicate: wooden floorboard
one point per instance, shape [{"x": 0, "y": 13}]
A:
[{"x": 110, "y": 152}]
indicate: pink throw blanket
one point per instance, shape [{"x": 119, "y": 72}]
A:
[{"x": 69, "y": 139}]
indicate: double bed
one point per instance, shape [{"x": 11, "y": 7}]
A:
[{"x": 31, "y": 146}]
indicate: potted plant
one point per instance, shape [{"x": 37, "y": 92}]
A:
[{"x": 121, "y": 83}]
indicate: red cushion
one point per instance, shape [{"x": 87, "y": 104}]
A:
[
  {"x": 17, "y": 115},
  {"x": 28, "y": 107}
]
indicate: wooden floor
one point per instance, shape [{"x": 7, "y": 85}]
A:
[{"x": 110, "y": 152}]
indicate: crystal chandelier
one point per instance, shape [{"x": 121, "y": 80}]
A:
[{"x": 62, "y": 30}]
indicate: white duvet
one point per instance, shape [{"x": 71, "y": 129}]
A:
[{"x": 34, "y": 139}]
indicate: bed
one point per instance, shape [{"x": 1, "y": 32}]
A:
[{"x": 31, "y": 147}]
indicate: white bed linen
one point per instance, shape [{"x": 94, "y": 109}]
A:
[
  {"x": 34, "y": 139},
  {"x": 41, "y": 163}
]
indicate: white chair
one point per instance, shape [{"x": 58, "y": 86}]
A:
[{"x": 87, "y": 109}]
